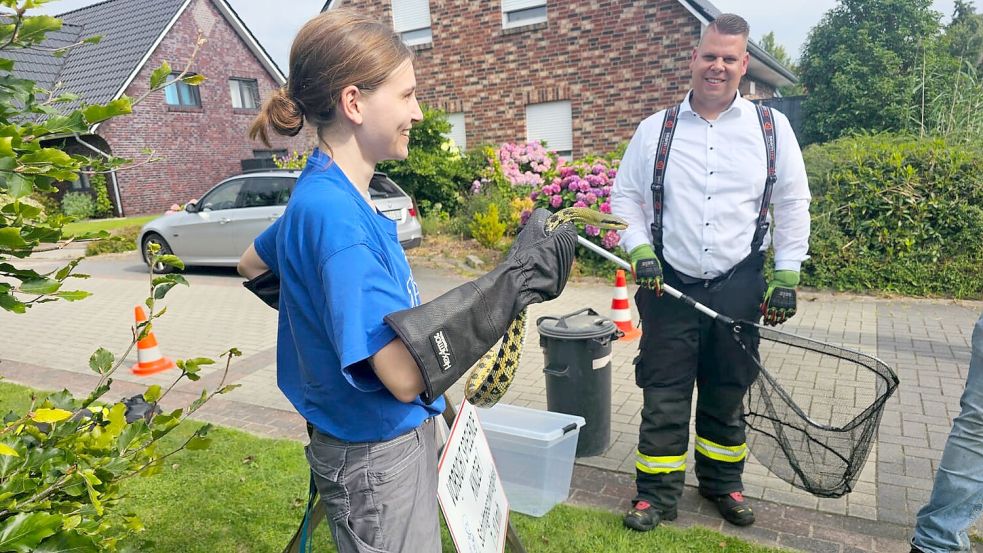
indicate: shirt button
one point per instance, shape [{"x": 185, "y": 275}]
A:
[
  {"x": 708, "y": 197},
  {"x": 706, "y": 249},
  {"x": 711, "y": 172},
  {"x": 708, "y": 224}
]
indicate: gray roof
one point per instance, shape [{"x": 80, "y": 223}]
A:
[
  {"x": 39, "y": 64},
  {"x": 129, "y": 28},
  {"x": 98, "y": 73}
]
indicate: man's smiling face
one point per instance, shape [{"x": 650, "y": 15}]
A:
[{"x": 717, "y": 66}]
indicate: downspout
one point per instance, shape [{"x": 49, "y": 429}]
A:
[{"x": 119, "y": 201}]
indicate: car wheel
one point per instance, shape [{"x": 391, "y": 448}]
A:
[{"x": 154, "y": 238}]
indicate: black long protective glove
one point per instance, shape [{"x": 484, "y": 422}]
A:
[
  {"x": 448, "y": 335},
  {"x": 266, "y": 287}
]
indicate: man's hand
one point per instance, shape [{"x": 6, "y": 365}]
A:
[
  {"x": 778, "y": 305},
  {"x": 646, "y": 269}
]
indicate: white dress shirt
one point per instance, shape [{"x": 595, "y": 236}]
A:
[{"x": 714, "y": 183}]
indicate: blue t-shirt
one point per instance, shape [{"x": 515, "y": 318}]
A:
[{"x": 341, "y": 270}]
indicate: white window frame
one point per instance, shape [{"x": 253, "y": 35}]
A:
[
  {"x": 458, "y": 134},
  {"x": 411, "y": 19},
  {"x": 238, "y": 87},
  {"x": 551, "y": 122},
  {"x": 513, "y": 7}
]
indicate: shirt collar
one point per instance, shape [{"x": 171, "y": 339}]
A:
[{"x": 738, "y": 106}]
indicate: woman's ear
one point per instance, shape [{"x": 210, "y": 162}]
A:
[{"x": 349, "y": 104}]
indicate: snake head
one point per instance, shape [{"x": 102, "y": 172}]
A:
[
  {"x": 586, "y": 216},
  {"x": 608, "y": 221}
]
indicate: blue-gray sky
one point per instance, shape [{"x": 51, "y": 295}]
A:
[{"x": 276, "y": 26}]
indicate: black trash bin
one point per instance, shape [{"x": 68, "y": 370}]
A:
[{"x": 577, "y": 348}]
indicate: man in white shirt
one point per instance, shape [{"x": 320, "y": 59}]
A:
[{"x": 698, "y": 219}]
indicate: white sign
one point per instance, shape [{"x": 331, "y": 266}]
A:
[{"x": 470, "y": 492}]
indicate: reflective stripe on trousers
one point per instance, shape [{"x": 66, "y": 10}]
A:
[
  {"x": 658, "y": 465},
  {"x": 723, "y": 453}
]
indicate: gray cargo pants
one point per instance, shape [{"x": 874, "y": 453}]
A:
[{"x": 379, "y": 496}]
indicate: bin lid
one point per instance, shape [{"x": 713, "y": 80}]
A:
[
  {"x": 544, "y": 427},
  {"x": 583, "y": 324}
]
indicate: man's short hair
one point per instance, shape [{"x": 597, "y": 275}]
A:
[{"x": 730, "y": 24}]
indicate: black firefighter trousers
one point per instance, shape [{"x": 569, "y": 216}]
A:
[{"x": 679, "y": 347}]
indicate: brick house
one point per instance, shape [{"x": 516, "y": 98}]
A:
[
  {"x": 200, "y": 133},
  {"x": 580, "y": 74}
]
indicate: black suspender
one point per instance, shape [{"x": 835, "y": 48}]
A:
[
  {"x": 662, "y": 160},
  {"x": 659, "y": 173}
]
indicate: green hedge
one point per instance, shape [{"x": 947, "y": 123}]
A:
[{"x": 896, "y": 214}]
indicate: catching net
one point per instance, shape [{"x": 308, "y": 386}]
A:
[{"x": 813, "y": 412}]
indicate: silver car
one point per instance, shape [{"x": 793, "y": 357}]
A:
[{"x": 216, "y": 229}]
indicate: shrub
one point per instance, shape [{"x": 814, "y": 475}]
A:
[
  {"x": 120, "y": 240},
  {"x": 487, "y": 228},
  {"x": 896, "y": 214},
  {"x": 103, "y": 205},
  {"x": 79, "y": 205},
  {"x": 435, "y": 170}
]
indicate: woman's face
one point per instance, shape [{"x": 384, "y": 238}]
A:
[{"x": 388, "y": 113}]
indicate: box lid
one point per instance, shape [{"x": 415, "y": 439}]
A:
[{"x": 532, "y": 424}]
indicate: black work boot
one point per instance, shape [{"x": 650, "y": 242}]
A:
[
  {"x": 643, "y": 516},
  {"x": 734, "y": 508}
]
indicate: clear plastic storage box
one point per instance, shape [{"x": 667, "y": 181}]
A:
[{"x": 534, "y": 453}]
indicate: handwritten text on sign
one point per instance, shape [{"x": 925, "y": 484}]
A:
[{"x": 470, "y": 492}]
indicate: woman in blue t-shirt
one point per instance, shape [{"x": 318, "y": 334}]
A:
[{"x": 355, "y": 351}]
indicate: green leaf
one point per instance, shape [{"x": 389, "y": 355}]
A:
[
  {"x": 9, "y": 451},
  {"x": 159, "y": 76},
  {"x": 161, "y": 291},
  {"x": 94, "y": 39},
  {"x": 199, "y": 443},
  {"x": 10, "y": 238},
  {"x": 228, "y": 388},
  {"x": 12, "y": 304},
  {"x": 6, "y": 150},
  {"x": 73, "y": 295},
  {"x": 130, "y": 434},
  {"x": 102, "y": 360},
  {"x": 67, "y": 269},
  {"x": 24, "y": 531},
  {"x": 19, "y": 186},
  {"x": 49, "y": 416},
  {"x": 40, "y": 287},
  {"x": 172, "y": 261},
  {"x": 152, "y": 393},
  {"x": 33, "y": 28},
  {"x": 6, "y": 64},
  {"x": 194, "y": 80},
  {"x": 52, "y": 156},
  {"x": 97, "y": 114},
  {"x": 68, "y": 542}
]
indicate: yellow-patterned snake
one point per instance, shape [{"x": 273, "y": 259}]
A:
[{"x": 494, "y": 372}]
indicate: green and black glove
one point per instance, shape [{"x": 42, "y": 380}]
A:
[
  {"x": 778, "y": 305},
  {"x": 646, "y": 269}
]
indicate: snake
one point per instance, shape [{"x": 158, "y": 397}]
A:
[{"x": 493, "y": 373}]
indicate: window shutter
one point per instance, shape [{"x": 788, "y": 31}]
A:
[
  {"x": 551, "y": 123},
  {"x": 409, "y": 15},
  {"x": 457, "y": 134},
  {"x": 513, "y": 5}
]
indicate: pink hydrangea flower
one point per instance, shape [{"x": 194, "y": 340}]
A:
[
  {"x": 556, "y": 201},
  {"x": 611, "y": 240},
  {"x": 591, "y": 230}
]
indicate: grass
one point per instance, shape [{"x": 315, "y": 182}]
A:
[
  {"x": 94, "y": 225},
  {"x": 246, "y": 494}
]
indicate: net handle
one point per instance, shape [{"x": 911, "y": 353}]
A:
[{"x": 667, "y": 288}]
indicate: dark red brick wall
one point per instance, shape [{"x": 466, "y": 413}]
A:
[
  {"x": 198, "y": 147},
  {"x": 615, "y": 61}
]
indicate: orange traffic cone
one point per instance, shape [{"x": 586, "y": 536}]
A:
[
  {"x": 620, "y": 311},
  {"x": 150, "y": 361}
]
